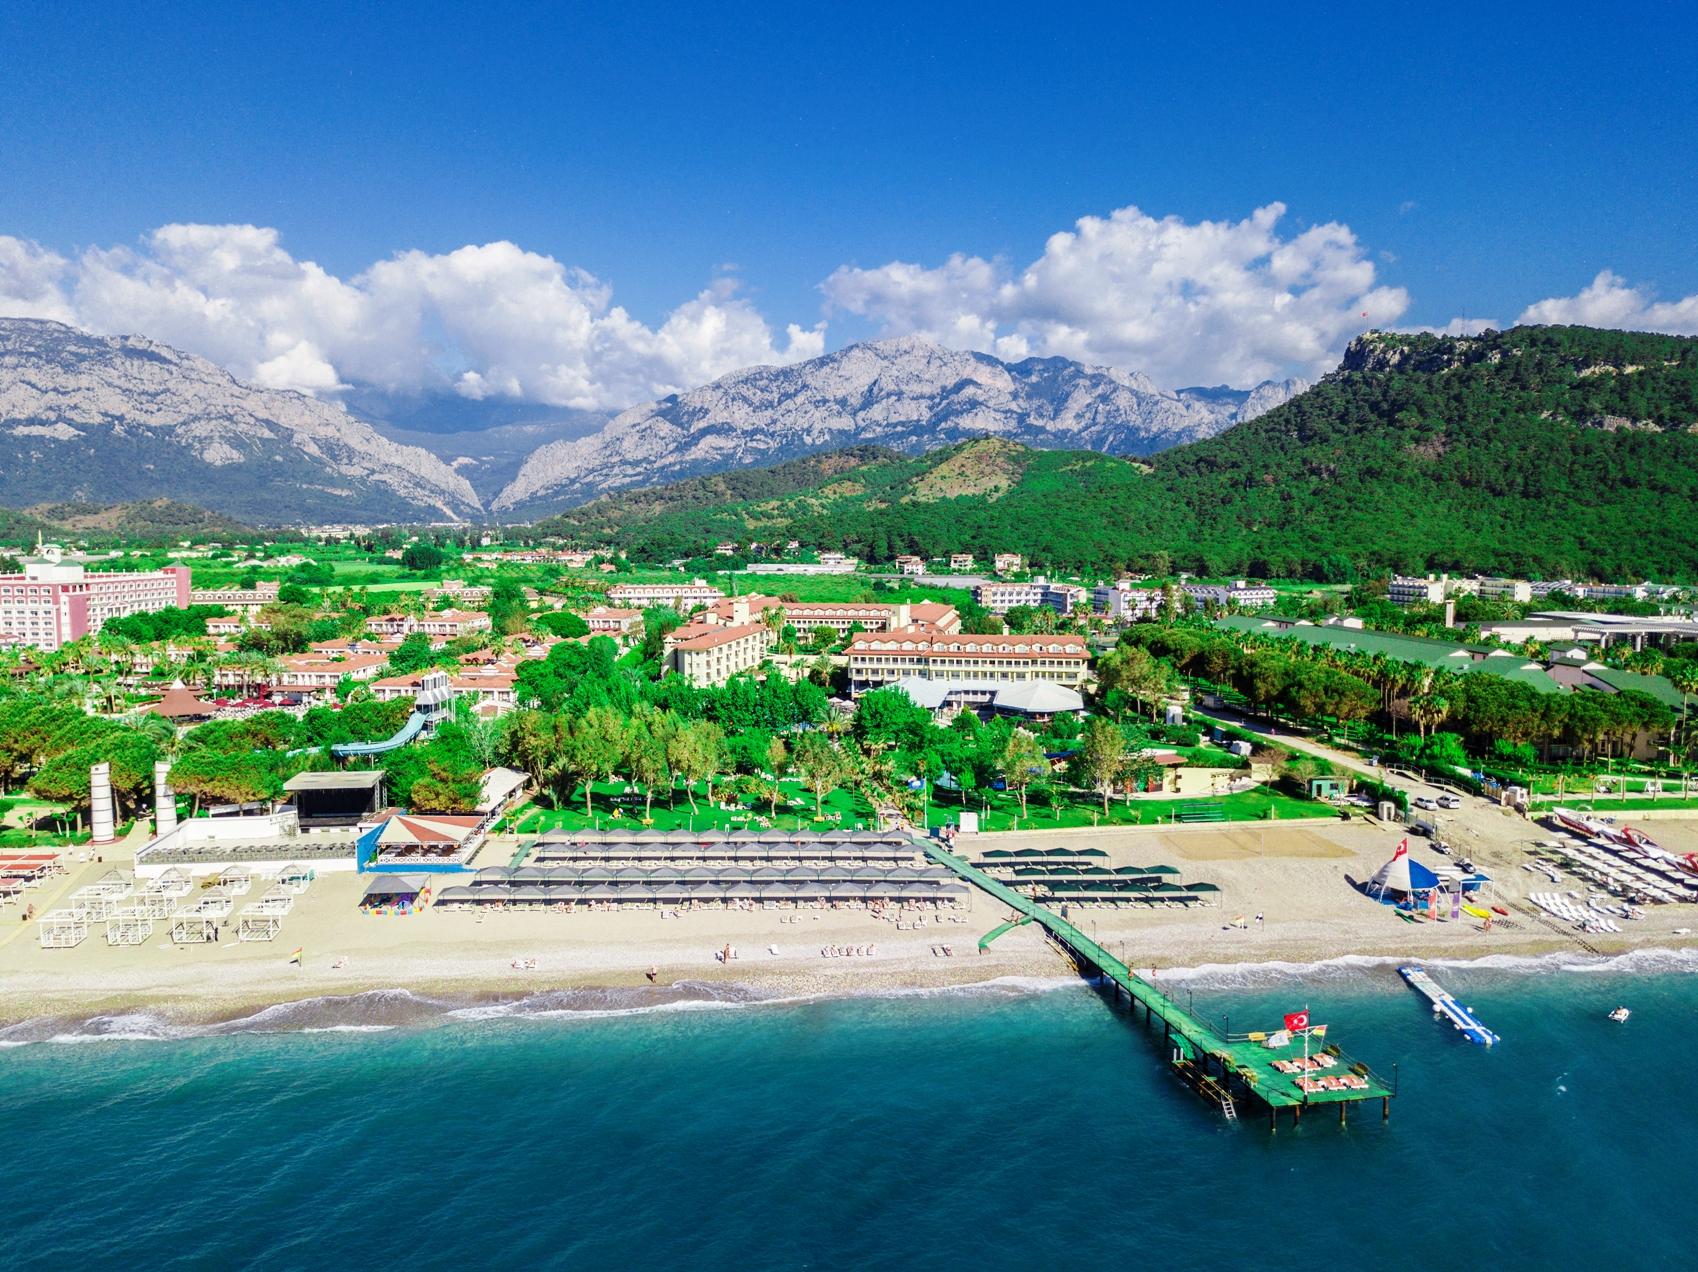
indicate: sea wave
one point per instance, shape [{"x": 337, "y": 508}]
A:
[
  {"x": 386, "y": 1010},
  {"x": 374, "y": 1011},
  {"x": 1643, "y": 962}
]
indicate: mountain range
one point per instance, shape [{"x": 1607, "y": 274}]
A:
[
  {"x": 105, "y": 419},
  {"x": 101, "y": 419},
  {"x": 1542, "y": 452},
  {"x": 905, "y": 394}
]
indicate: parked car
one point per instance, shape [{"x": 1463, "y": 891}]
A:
[
  {"x": 1450, "y": 801},
  {"x": 1426, "y": 801}
]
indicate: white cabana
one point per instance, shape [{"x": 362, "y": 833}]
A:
[
  {"x": 128, "y": 929},
  {"x": 194, "y": 929},
  {"x": 256, "y": 925},
  {"x": 63, "y": 929}
]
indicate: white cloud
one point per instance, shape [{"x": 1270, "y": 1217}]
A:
[
  {"x": 1187, "y": 303},
  {"x": 1610, "y": 302},
  {"x": 491, "y": 319},
  {"x": 29, "y": 281}
]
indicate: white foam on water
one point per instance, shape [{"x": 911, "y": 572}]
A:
[{"x": 386, "y": 1010}]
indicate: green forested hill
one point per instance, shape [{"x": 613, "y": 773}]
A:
[
  {"x": 1542, "y": 450},
  {"x": 145, "y": 521}
]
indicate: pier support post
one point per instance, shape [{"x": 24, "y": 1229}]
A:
[
  {"x": 1385, "y": 1108},
  {"x": 1343, "y": 1107}
]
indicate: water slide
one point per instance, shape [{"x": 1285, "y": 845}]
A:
[
  {"x": 411, "y": 729},
  {"x": 1000, "y": 928}
]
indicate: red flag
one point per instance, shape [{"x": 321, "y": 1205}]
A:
[
  {"x": 1402, "y": 849},
  {"x": 1296, "y": 1021}
]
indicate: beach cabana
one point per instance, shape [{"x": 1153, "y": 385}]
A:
[{"x": 407, "y": 890}]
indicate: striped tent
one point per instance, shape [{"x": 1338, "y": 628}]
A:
[{"x": 1401, "y": 877}]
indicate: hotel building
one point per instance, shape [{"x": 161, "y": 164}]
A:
[
  {"x": 54, "y": 602},
  {"x": 709, "y": 655},
  {"x": 877, "y": 659}
]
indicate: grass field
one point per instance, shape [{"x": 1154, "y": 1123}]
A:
[
  {"x": 1001, "y": 811},
  {"x": 619, "y": 806}
]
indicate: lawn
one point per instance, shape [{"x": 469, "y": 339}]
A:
[
  {"x": 1001, "y": 811},
  {"x": 620, "y": 807}
]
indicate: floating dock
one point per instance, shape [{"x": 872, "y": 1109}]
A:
[
  {"x": 1466, "y": 1022},
  {"x": 1222, "y": 1067}
]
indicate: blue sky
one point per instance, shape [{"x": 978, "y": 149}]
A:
[{"x": 1483, "y": 158}]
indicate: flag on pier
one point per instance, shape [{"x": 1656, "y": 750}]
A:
[{"x": 296, "y": 956}]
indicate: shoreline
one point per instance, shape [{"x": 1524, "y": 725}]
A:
[
  {"x": 619, "y": 992},
  {"x": 1298, "y": 877}
]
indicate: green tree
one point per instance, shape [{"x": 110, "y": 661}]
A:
[
  {"x": 822, "y": 765},
  {"x": 1023, "y": 764},
  {"x": 1102, "y": 757}
]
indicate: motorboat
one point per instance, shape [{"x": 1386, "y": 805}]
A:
[{"x": 1620, "y": 1015}]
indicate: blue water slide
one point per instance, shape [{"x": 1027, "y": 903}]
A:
[{"x": 411, "y": 729}]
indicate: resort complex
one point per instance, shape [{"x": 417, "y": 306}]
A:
[{"x": 863, "y": 773}]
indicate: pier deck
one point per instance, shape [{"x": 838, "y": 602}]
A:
[{"x": 1210, "y": 1056}]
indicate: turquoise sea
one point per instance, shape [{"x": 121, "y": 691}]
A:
[{"x": 1012, "y": 1126}]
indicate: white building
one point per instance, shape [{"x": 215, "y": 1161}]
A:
[
  {"x": 681, "y": 596},
  {"x": 1431, "y": 590},
  {"x": 240, "y": 599},
  {"x": 709, "y": 655},
  {"x": 881, "y": 658},
  {"x": 1496, "y": 589},
  {"x": 999, "y": 598}
]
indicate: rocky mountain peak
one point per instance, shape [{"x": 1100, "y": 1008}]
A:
[
  {"x": 109, "y": 418},
  {"x": 905, "y": 393}
]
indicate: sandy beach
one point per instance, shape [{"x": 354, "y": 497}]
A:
[{"x": 1295, "y": 877}]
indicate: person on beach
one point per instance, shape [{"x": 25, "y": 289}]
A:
[{"x": 652, "y": 973}]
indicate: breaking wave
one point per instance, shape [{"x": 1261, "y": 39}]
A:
[{"x": 387, "y": 1010}]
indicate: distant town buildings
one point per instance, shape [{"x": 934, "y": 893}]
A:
[
  {"x": 444, "y": 624},
  {"x": 828, "y": 563},
  {"x": 608, "y": 620},
  {"x": 1237, "y": 595},
  {"x": 240, "y": 599},
  {"x": 53, "y": 601},
  {"x": 841, "y": 617},
  {"x": 999, "y": 598},
  {"x": 1496, "y": 589},
  {"x": 1008, "y": 562},
  {"x": 908, "y": 563},
  {"x": 1431, "y": 589},
  {"x": 1127, "y": 604},
  {"x": 681, "y": 596},
  {"x": 960, "y": 562}
]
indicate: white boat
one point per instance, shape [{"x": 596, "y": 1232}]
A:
[{"x": 1620, "y": 1015}]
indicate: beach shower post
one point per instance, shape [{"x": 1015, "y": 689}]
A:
[
  {"x": 164, "y": 800},
  {"x": 100, "y": 816}
]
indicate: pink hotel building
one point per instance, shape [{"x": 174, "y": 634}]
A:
[{"x": 53, "y": 602}]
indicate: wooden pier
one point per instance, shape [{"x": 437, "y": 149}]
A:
[{"x": 1222, "y": 1067}]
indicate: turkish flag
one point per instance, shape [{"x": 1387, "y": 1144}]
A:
[{"x": 1296, "y": 1021}]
